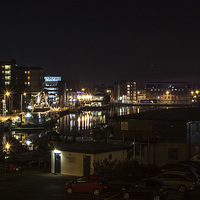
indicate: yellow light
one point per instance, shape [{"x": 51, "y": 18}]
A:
[
  {"x": 167, "y": 92},
  {"x": 24, "y": 94},
  {"x": 7, "y": 93},
  {"x": 197, "y": 91},
  {"x": 7, "y": 146},
  {"x": 83, "y": 89}
]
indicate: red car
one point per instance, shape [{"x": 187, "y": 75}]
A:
[{"x": 87, "y": 184}]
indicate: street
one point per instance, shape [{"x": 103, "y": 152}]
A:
[{"x": 36, "y": 184}]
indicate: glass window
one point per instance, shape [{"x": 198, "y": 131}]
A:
[
  {"x": 7, "y": 82},
  {"x": 7, "y": 77},
  {"x": 7, "y": 72},
  {"x": 7, "y": 66},
  {"x": 82, "y": 180}
]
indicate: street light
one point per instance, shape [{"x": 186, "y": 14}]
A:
[
  {"x": 4, "y": 102},
  {"x": 24, "y": 94}
]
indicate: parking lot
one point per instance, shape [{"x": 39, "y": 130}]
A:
[{"x": 36, "y": 184}]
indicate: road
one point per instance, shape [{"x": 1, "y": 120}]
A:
[{"x": 38, "y": 185}]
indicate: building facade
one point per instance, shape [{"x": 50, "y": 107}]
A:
[
  {"x": 7, "y": 85},
  {"x": 78, "y": 159},
  {"x": 52, "y": 89},
  {"x": 125, "y": 92},
  {"x": 169, "y": 92},
  {"x": 30, "y": 85},
  {"x": 160, "y": 137}
]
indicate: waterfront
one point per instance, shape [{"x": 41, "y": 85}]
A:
[{"x": 77, "y": 124}]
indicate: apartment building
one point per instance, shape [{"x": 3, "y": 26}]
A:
[{"x": 125, "y": 92}]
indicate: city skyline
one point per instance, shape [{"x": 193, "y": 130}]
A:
[{"x": 104, "y": 41}]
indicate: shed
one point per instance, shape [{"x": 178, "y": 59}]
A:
[{"x": 77, "y": 158}]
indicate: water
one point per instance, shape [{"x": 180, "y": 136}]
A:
[{"x": 75, "y": 124}]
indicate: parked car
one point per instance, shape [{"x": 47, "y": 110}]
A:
[
  {"x": 146, "y": 188},
  {"x": 195, "y": 166},
  {"x": 181, "y": 181},
  {"x": 87, "y": 184},
  {"x": 196, "y": 158},
  {"x": 180, "y": 167}
]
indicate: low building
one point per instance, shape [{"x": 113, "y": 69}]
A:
[
  {"x": 77, "y": 159},
  {"x": 161, "y": 136}
]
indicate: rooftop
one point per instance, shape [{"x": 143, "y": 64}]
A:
[
  {"x": 179, "y": 114},
  {"x": 91, "y": 147}
]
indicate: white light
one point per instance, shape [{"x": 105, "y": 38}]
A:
[
  {"x": 28, "y": 115},
  {"x": 29, "y": 107},
  {"x": 56, "y": 151},
  {"x": 28, "y": 142}
]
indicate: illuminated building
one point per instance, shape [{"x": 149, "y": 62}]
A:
[
  {"x": 52, "y": 88},
  {"x": 125, "y": 92},
  {"x": 169, "y": 92},
  {"x": 29, "y": 81},
  {"x": 7, "y": 81}
]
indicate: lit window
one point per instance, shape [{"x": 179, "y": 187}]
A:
[
  {"x": 28, "y": 77},
  {"x": 7, "y": 82},
  {"x": 2, "y": 66},
  {"x": 29, "y": 83},
  {"x": 28, "y": 72},
  {"x": 25, "y": 83},
  {"x": 25, "y": 72},
  {"x": 7, "y": 66},
  {"x": 7, "y": 72},
  {"x": 128, "y": 85},
  {"x": 3, "y": 72},
  {"x": 7, "y": 77}
]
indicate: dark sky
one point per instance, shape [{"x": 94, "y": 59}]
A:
[{"x": 104, "y": 40}]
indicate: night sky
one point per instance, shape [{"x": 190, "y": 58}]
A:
[{"x": 104, "y": 40}]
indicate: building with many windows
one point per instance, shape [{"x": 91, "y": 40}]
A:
[
  {"x": 7, "y": 74},
  {"x": 125, "y": 92},
  {"x": 52, "y": 89},
  {"x": 7, "y": 85},
  {"x": 30, "y": 84},
  {"x": 169, "y": 92}
]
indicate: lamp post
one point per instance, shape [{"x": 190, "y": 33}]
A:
[
  {"x": 4, "y": 103},
  {"x": 24, "y": 94}
]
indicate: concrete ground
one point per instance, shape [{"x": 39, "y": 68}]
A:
[{"x": 33, "y": 184}]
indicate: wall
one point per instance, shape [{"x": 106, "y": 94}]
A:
[
  {"x": 158, "y": 153},
  {"x": 72, "y": 163}
]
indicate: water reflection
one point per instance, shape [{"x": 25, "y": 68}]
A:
[
  {"x": 80, "y": 122},
  {"x": 76, "y": 123}
]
